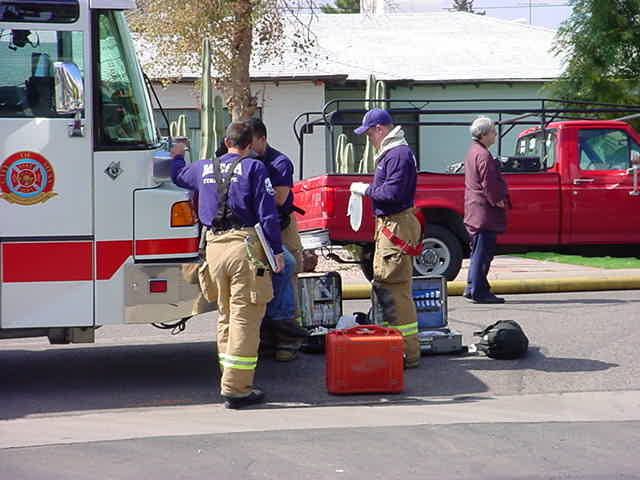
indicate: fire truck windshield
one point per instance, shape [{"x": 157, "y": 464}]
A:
[{"x": 124, "y": 117}]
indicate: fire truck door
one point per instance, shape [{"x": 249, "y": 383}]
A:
[{"x": 46, "y": 214}]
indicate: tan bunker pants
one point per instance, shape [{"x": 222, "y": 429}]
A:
[
  {"x": 392, "y": 277},
  {"x": 237, "y": 268}
]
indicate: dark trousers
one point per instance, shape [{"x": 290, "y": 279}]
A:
[{"x": 483, "y": 249}]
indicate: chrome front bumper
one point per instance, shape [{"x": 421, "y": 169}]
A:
[
  {"x": 315, "y": 239},
  {"x": 143, "y": 306}
]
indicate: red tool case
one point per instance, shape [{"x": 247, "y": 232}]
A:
[{"x": 364, "y": 359}]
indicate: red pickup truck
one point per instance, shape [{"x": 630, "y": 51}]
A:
[{"x": 572, "y": 182}]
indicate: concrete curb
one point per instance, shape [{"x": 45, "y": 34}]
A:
[{"x": 575, "y": 284}]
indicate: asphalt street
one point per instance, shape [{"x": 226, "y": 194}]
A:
[{"x": 143, "y": 403}]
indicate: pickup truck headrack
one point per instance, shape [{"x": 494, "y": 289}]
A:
[{"x": 528, "y": 112}]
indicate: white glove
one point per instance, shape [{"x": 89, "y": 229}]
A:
[{"x": 359, "y": 188}]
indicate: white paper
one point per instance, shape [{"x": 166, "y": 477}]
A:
[
  {"x": 346, "y": 321},
  {"x": 354, "y": 211},
  {"x": 265, "y": 245}
]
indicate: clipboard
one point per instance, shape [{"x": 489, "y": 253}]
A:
[{"x": 265, "y": 245}]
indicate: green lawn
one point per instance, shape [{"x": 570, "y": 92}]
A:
[{"x": 598, "y": 262}]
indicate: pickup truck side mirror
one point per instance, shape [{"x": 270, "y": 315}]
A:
[{"x": 69, "y": 93}]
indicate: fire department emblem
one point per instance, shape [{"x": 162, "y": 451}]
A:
[{"x": 26, "y": 178}]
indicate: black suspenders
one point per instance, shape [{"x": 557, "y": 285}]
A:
[{"x": 225, "y": 219}]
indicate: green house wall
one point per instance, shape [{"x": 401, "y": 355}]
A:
[{"x": 437, "y": 147}]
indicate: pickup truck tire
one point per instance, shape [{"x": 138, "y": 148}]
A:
[{"x": 441, "y": 253}]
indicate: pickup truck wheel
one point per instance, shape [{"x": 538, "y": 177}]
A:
[{"x": 441, "y": 253}]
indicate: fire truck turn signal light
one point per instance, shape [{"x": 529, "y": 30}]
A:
[
  {"x": 157, "y": 286},
  {"x": 182, "y": 214}
]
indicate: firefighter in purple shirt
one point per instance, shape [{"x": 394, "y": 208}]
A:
[
  {"x": 280, "y": 170},
  {"x": 486, "y": 198},
  {"x": 397, "y": 236},
  {"x": 236, "y": 260}
]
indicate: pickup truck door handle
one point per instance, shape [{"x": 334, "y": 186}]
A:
[{"x": 578, "y": 181}]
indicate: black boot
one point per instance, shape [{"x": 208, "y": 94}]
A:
[
  {"x": 288, "y": 327},
  {"x": 256, "y": 396}
]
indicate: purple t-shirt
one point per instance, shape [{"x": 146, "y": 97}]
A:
[
  {"x": 394, "y": 181},
  {"x": 280, "y": 171},
  {"x": 251, "y": 196}
]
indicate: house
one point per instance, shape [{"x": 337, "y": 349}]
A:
[{"x": 436, "y": 56}]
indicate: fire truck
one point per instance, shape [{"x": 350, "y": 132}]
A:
[{"x": 92, "y": 230}]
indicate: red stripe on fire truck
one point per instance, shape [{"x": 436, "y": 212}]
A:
[
  {"x": 47, "y": 262},
  {"x": 73, "y": 261},
  {"x": 171, "y": 246},
  {"x": 110, "y": 255}
]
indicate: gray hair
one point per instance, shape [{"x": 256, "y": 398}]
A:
[{"x": 480, "y": 126}]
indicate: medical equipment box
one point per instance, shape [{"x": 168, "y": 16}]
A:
[{"x": 364, "y": 359}]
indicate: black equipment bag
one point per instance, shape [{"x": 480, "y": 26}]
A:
[{"x": 503, "y": 340}]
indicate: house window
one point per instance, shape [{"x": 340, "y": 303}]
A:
[{"x": 347, "y": 122}]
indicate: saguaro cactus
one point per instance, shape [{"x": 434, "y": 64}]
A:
[
  {"x": 375, "y": 94},
  {"x": 207, "y": 132},
  {"x": 218, "y": 119},
  {"x": 344, "y": 155},
  {"x": 178, "y": 128},
  {"x": 211, "y": 108}
]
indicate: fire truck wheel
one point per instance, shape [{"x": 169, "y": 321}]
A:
[{"x": 441, "y": 253}]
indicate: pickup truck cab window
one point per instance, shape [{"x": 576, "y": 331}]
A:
[
  {"x": 605, "y": 149},
  {"x": 532, "y": 146}
]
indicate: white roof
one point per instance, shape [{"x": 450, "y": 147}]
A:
[{"x": 423, "y": 47}]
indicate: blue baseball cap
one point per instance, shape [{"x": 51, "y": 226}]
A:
[{"x": 375, "y": 116}]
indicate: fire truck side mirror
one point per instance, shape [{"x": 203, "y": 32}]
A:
[{"x": 69, "y": 88}]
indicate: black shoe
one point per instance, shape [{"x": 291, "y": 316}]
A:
[
  {"x": 290, "y": 327},
  {"x": 256, "y": 396},
  {"x": 466, "y": 295},
  {"x": 490, "y": 299}
]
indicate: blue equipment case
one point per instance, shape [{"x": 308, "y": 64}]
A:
[{"x": 430, "y": 297}]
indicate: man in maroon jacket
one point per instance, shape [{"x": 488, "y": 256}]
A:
[{"x": 486, "y": 199}]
